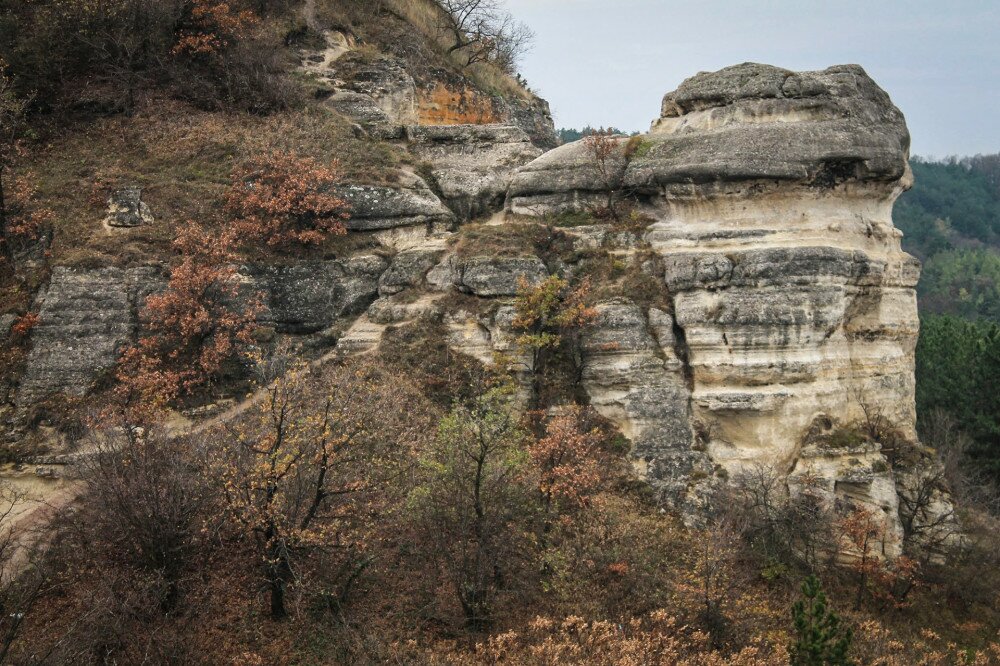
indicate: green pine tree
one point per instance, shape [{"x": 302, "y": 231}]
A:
[{"x": 820, "y": 638}]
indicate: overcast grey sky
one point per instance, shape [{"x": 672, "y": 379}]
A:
[{"x": 609, "y": 62}]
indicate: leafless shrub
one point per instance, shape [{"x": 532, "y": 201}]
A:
[
  {"x": 970, "y": 486},
  {"x": 783, "y": 529},
  {"x": 611, "y": 155},
  {"x": 23, "y": 572},
  {"x": 482, "y": 31}
]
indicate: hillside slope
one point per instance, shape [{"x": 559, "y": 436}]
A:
[{"x": 323, "y": 353}]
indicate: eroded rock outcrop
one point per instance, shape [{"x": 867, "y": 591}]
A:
[
  {"x": 377, "y": 207},
  {"x": 88, "y": 316},
  {"x": 771, "y": 195},
  {"x": 473, "y": 164},
  {"x": 85, "y": 319}
]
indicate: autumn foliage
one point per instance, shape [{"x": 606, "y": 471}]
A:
[
  {"x": 549, "y": 319},
  {"x": 23, "y": 325},
  {"x": 193, "y": 328},
  {"x": 568, "y": 458},
  {"x": 281, "y": 200},
  {"x": 304, "y": 470},
  {"x": 211, "y": 26}
]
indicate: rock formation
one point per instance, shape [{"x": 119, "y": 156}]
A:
[
  {"x": 127, "y": 209},
  {"x": 771, "y": 195},
  {"x": 85, "y": 319},
  {"x": 788, "y": 311}
]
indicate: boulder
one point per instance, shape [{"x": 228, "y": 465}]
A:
[
  {"x": 499, "y": 276},
  {"x": 377, "y": 207},
  {"x": 310, "y": 296},
  {"x": 127, "y": 209},
  {"x": 407, "y": 269}
]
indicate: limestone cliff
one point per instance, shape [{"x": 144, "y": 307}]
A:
[{"x": 794, "y": 307}]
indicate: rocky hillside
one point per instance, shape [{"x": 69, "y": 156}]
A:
[
  {"x": 784, "y": 312},
  {"x": 721, "y": 302}
]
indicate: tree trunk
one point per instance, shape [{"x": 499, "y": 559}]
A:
[{"x": 278, "y": 610}]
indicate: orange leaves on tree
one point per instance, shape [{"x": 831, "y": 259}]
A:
[
  {"x": 888, "y": 581},
  {"x": 190, "y": 330},
  {"x": 568, "y": 458},
  {"x": 24, "y": 218},
  {"x": 24, "y": 324},
  {"x": 545, "y": 312},
  {"x": 283, "y": 199},
  {"x": 212, "y": 27}
]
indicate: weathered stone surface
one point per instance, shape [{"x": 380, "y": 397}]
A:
[
  {"x": 407, "y": 269},
  {"x": 486, "y": 276},
  {"x": 499, "y": 276},
  {"x": 375, "y": 207},
  {"x": 635, "y": 378},
  {"x": 473, "y": 164},
  {"x": 378, "y": 94},
  {"x": 771, "y": 193},
  {"x": 366, "y": 112},
  {"x": 6, "y": 323},
  {"x": 85, "y": 319},
  {"x": 744, "y": 123},
  {"x": 127, "y": 209},
  {"x": 384, "y": 80},
  {"x": 309, "y": 296},
  {"x": 534, "y": 116}
]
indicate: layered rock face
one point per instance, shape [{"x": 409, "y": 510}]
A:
[
  {"x": 86, "y": 317},
  {"x": 771, "y": 193}
]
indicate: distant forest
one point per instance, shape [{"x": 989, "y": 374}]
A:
[
  {"x": 569, "y": 135},
  {"x": 951, "y": 222}
]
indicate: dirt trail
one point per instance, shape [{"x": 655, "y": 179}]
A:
[{"x": 38, "y": 500}]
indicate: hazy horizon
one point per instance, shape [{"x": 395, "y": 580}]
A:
[{"x": 611, "y": 66}]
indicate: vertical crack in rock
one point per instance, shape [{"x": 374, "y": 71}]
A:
[{"x": 683, "y": 353}]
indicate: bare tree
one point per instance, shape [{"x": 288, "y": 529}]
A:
[
  {"x": 21, "y": 575},
  {"x": 482, "y": 31},
  {"x": 611, "y": 155},
  {"x": 131, "y": 38}
]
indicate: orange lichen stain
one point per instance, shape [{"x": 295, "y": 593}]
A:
[{"x": 444, "y": 106}]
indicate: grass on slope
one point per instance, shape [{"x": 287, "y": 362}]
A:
[{"x": 182, "y": 158}]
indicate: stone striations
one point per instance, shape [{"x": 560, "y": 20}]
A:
[
  {"x": 771, "y": 193},
  {"x": 473, "y": 164},
  {"x": 376, "y": 207},
  {"x": 87, "y": 316},
  {"x": 310, "y": 296},
  {"x": 85, "y": 319},
  {"x": 636, "y": 378}
]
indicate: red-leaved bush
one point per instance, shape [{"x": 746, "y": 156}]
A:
[
  {"x": 284, "y": 200},
  {"x": 190, "y": 330},
  {"x": 211, "y": 26}
]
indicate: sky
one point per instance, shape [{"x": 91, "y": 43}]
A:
[{"x": 609, "y": 62}]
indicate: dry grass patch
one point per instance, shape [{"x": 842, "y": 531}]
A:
[{"x": 182, "y": 158}]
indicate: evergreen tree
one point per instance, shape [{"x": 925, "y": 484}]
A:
[{"x": 820, "y": 638}]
